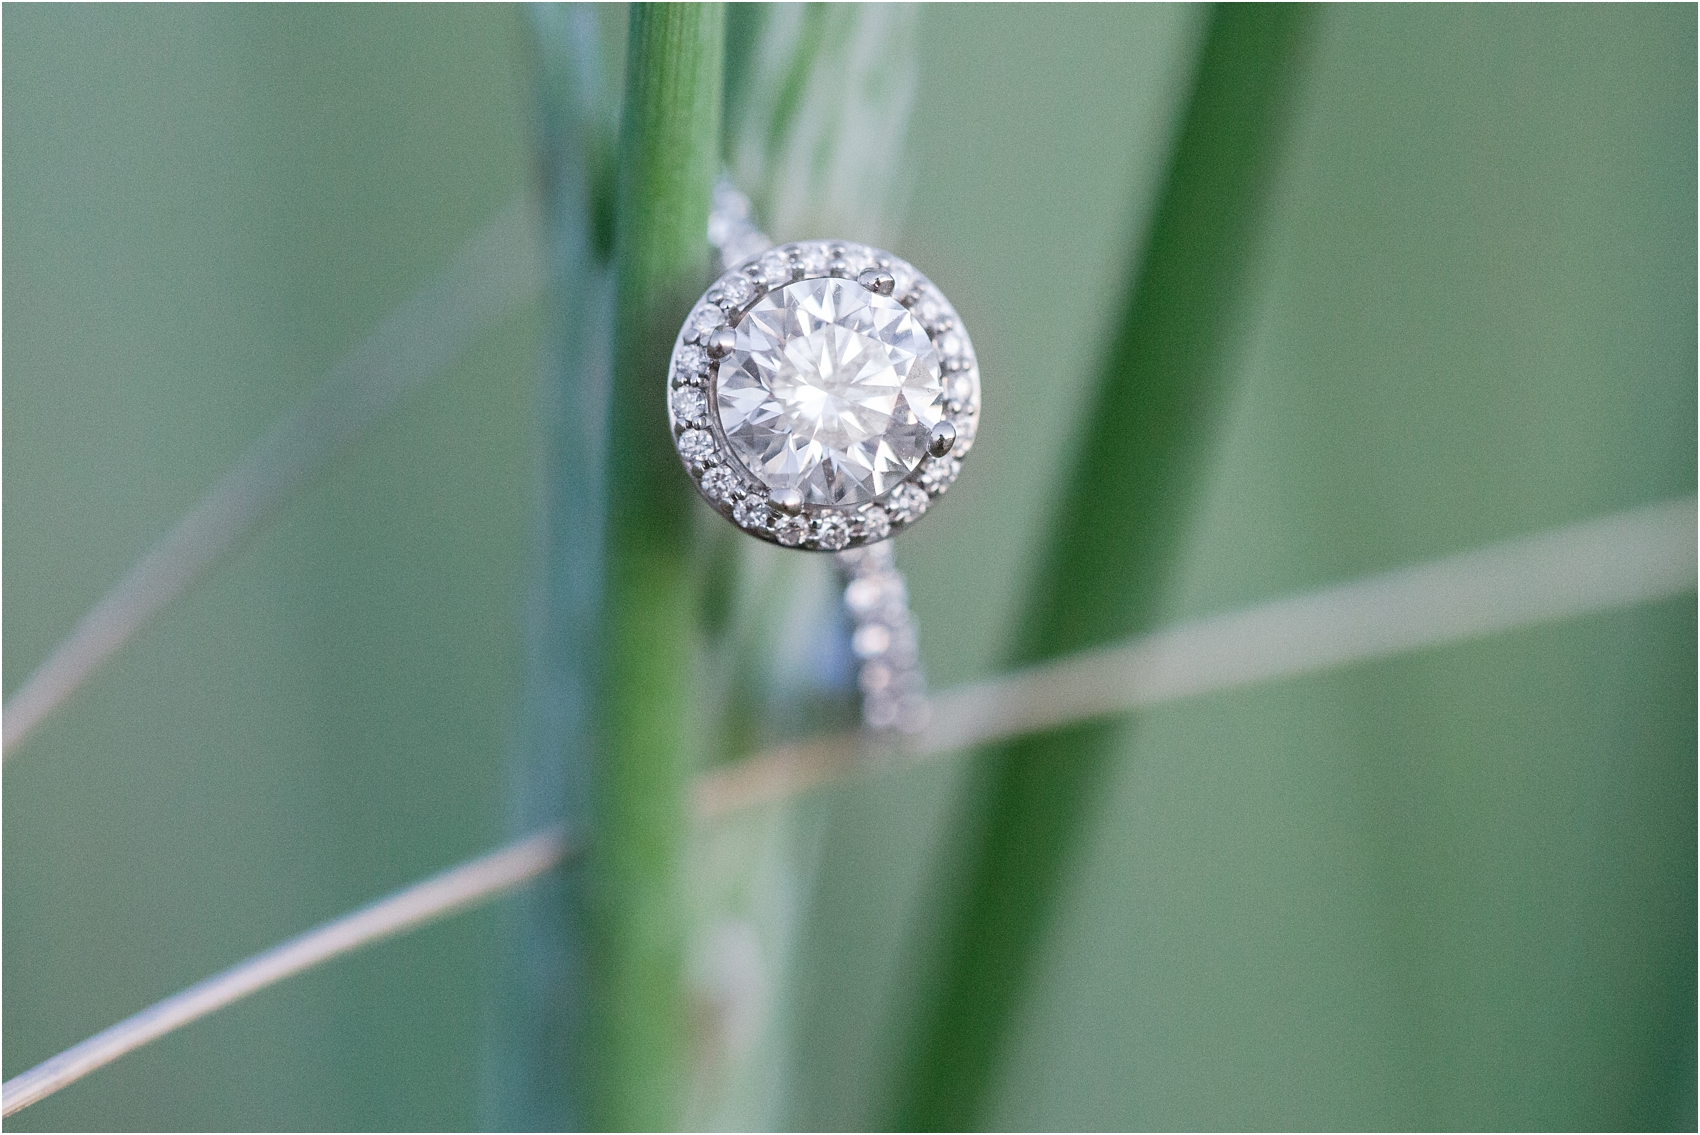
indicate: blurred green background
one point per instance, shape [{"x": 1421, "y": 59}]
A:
[{"x": 1454, "y": 889}]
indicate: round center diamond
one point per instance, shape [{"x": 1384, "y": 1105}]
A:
[{"x": 831, "y": 389}]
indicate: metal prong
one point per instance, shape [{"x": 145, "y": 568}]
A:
[
  {"x": 942, "y": 439},
  {"x": 721, "y": 342},
  {"x": 877, "y": 280},
  {"x": 788, "y": 501}
]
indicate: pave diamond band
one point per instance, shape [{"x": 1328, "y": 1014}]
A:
[
  {"x": 884, "y": 641},
  {"x": 821, "y": 395}
]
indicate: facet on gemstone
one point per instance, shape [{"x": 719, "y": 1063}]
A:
[
  {"x": 775, "y": 269},
  {"x": 696, "y": 446},
  {"x": 873, "y": 523},
  {"x": 939, "y": 473},
  {"x": 690, "y": 405},
  {"x": 813, "y": 258},
  {"x": 705, "y": 319},
  {"x": 830, "y": 389},
  {"x": 691, "y": 364},
  {"x": 907, "y": 503},
  {"x": 790, "y": 530},
  {"x": 751, "y": 512},
  {"x": 857, "y": 259},
  {"x": 965, "y": 427},
  {"x": 831, "y": 533},
  {"x": 735, "y": 291},
  {"x": 719, "y": 482},
  {"x": 904, "y": 283}
]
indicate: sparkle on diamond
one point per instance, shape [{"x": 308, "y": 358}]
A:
[{"x": 832, "y": 390}]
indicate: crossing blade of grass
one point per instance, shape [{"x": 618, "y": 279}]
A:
[
  {"x": 1608, "y": 563},
  {"x": 1120, "y": 522},
  {"x": 492, "y": 275},
  {"x": 668, "y": 156}
]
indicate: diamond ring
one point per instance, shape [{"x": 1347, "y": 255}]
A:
[{"x": 821, "y": 395}]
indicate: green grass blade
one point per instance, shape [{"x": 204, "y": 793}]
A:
[
  {"x": 818, "y": 115},
  {"x": 1121, "y": 522},
  {"x": 668, "y": 155},
  {"x": 539, "y": 994}
]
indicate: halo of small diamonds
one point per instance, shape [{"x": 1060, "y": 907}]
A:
[{"x": 891, "y": 499}]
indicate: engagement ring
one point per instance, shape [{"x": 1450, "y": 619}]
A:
[{"x": 822, "y": 394}]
